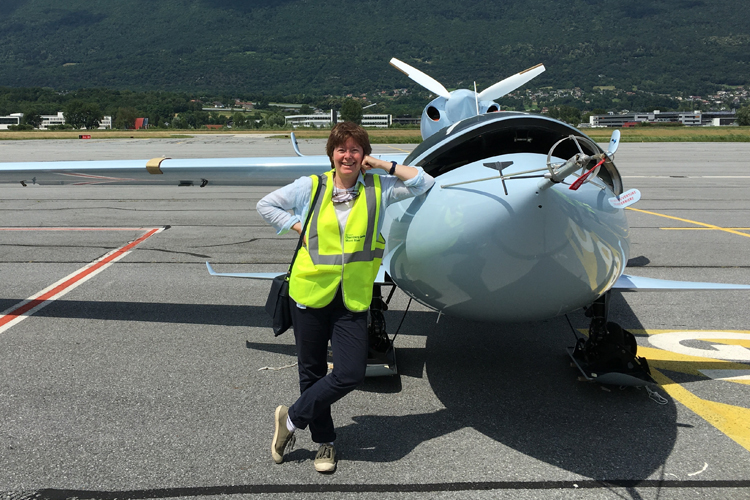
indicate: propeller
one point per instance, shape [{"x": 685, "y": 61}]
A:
[
  {"x": 510, "y": 84},
  {"x": 423, "y": 79},
  {"x": 491, "y": 93},
  {"x": 450, "y": 108}
]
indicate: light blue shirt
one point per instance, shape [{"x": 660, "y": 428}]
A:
[{"x": 296, "y": 196}]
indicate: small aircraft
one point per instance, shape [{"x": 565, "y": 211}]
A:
[{"x": 525, "y": 221}]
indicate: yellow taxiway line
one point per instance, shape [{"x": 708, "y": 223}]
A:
[
  {"x": 733, "y": 421},
  {"x": 703, "y": 224}
]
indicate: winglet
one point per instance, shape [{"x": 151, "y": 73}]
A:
[
  {"x": 154, "y": 164},
  {"x": 295, "y": 145}
]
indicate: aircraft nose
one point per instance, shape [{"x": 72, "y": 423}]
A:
[{"x": 474, "y": 251}]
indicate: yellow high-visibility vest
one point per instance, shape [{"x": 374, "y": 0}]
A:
[{"x": 325, "y": 263}]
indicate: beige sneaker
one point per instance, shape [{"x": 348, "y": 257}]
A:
[
  {"x": 281, "y": 435},
  {"x": 325, "y": 460}
]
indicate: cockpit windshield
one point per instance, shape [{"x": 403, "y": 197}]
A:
[{"x": 495, "y": 134}]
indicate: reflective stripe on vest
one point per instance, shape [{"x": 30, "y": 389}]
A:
[
  {"x": 328, "y": 257},
  {"x": 367, "y": 253}
]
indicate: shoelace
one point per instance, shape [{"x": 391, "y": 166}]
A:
[
  {"x": 290, "y": 444},
  {"x": 325, "y": 452}
]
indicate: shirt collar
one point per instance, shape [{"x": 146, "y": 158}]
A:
[{"x": 360, "y": 180}]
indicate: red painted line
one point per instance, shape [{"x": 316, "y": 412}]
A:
[{"x": 12, "y": 315}]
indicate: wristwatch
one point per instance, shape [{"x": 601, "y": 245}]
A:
[{"x": 393, "y": 168}]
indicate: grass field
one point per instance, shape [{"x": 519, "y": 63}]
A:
[
  {"x": 404, "y": 136},
  {"x": 673, "y": 134}
]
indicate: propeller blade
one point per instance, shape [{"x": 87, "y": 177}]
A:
[
  {"x": 614, "y": 143},
  {"x": 424, "y": 80},
  {"x": 510, "y": 84}
]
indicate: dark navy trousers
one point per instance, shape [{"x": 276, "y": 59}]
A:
[{"x": 347, "y": 333}]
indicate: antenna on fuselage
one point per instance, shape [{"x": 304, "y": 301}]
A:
[{"x": 476, "y": 99}]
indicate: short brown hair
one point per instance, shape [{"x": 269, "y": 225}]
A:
[{"x": 341, "y": 132}]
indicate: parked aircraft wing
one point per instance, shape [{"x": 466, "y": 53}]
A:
[
  {"x": 270, "y": 171},
  {"x": 629, "y": 283}
]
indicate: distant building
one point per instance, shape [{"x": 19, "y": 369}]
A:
[
  {"x": 11, "y": 119},
  {"x": 688, "y": 118},
  {"x": 59, "y": 119},
  {"x": 52, "y": 120},
  {"x": 248, "y": 106},
  {"x": 407, "y": 121},
  {"x": 318, "y": 119},
  {"x": 327, "y": 119},
  {"x": 378, "y": 121},
  {"x": 719, "y": 118}
]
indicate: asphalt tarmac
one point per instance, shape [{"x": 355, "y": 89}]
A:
[{"x": 150, "y": 379}]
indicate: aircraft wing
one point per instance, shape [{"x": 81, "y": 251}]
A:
[
  {"x": 629, "y": 283},
  {"x": 270, "y": 171}
]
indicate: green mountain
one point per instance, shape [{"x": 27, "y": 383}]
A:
[{"x": 339, "y": 47}]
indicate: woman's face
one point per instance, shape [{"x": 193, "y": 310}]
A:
[{"x": 347, "y": 158}]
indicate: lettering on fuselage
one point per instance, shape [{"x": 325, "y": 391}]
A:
[{"x": 625, "y": 199}]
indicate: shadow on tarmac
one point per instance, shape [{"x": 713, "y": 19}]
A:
[
  {"x": 511, "y": 382},
  {"x": 520, "y": 391}
]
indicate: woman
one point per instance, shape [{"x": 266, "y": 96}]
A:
[{"x": 332, "y": 278}]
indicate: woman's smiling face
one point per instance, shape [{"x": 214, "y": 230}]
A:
[{"x": 347, "y": 159}]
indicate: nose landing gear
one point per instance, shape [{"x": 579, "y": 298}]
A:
[{"x": 608, "y": 354}]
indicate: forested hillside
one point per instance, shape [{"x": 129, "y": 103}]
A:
[{"x": 339, "y": 47}]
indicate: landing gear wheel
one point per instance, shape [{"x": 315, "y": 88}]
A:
[{"x": 608, "y": 355}]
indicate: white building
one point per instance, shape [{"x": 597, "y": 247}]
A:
[
  {"x": 689, "y": 118},
  {"x": 52, "y": 120},
  {"x": 11, "y": 119},
  {"x": 327, "y": 119},
  {"x": 59, "y": 119},
  {"x": 319, "y": 120},
  {"x": 105, "y": 123},
  {"x": 379, "y": 121}
]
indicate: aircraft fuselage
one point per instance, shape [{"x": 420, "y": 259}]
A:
[{"x": 474, "y": 251}]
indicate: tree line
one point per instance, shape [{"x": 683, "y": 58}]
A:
[{"x": 85, "y": 108}]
